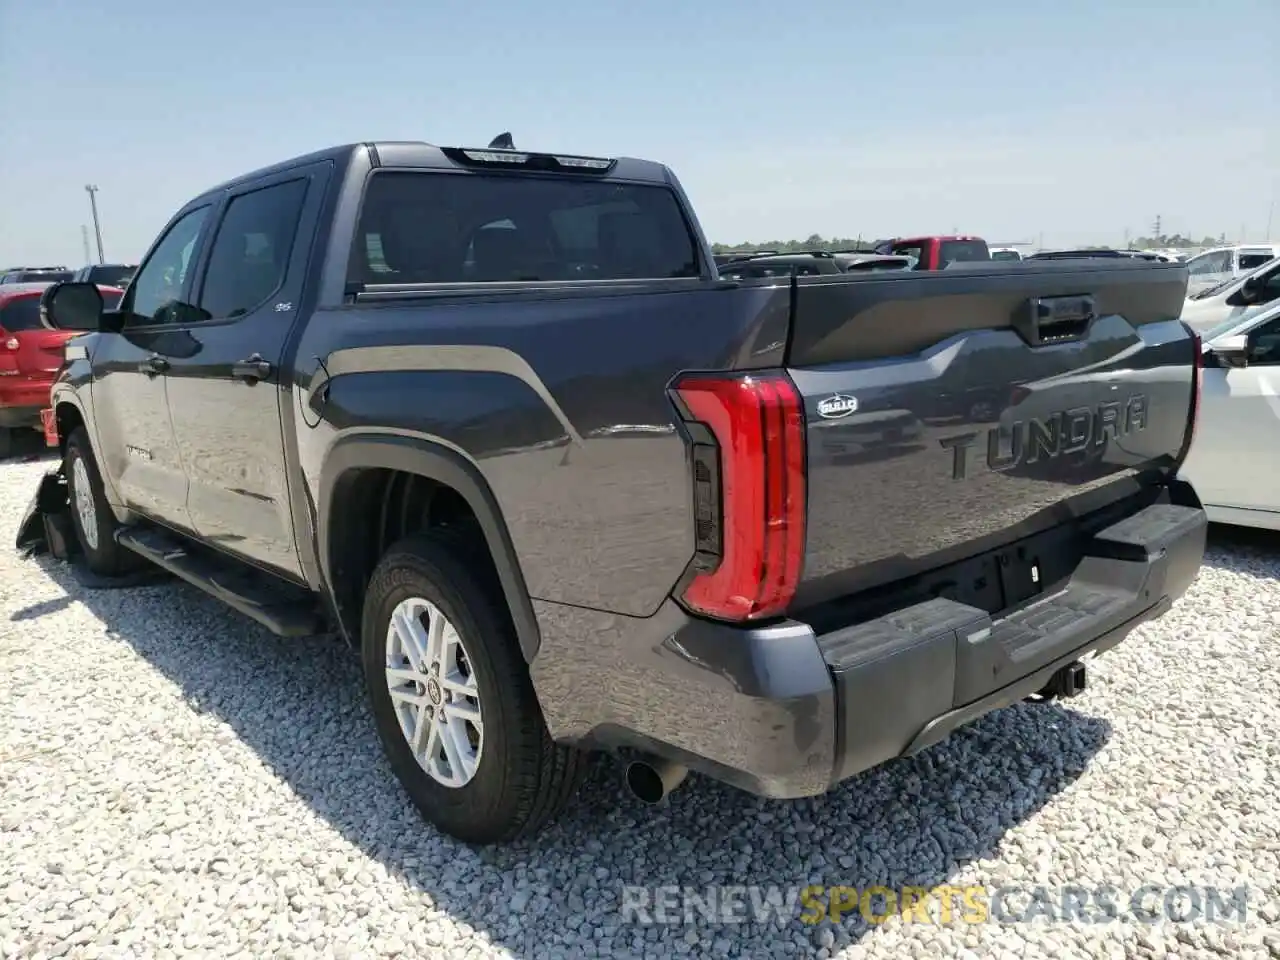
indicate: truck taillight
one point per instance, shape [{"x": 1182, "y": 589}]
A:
[
  {"x": 9, "y": 340},
  {"x": 1197, "y": 387},
  {"x": 749, "y": 494}
]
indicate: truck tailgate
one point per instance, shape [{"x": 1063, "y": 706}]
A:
[{"x": 949, "y": 413}]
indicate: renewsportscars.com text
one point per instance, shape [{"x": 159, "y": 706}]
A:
[{"x": 946, "y": 904}]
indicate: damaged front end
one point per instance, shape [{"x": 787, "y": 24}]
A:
[{"x": 46, "y": 526}]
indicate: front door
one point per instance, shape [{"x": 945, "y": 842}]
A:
[
  {"x": 225, "y": 394},
  {"x": 1236, "y": 456},
  {"x": 136, "y": 448}
]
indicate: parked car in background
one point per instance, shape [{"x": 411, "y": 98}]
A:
[
  {"x": 1104, "y": 253},
  {"x": 107, "y": 274},
  {"x": 936, "y": 253},
  {"x": 1235, "y": 458},
  {"x": 812, "y": 263},
  {"x": 1005, "y": 253},
  {"x": 30, "y": 355},
  {"x": 1210, "y": 268},
  {"x": 1233, "y": 299},
  {"x": 35, "y": 275}
]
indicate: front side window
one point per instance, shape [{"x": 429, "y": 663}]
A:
[
  {"x": 1251, "y": 260},
  {"x": 250, "y": 253},
  {"x": 491, "y": 228},
  {"x": 158, "y": 285}
]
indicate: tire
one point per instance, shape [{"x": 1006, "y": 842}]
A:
[
  {"x": 521, "y": 779},
  {"x": 6, "y": 442},
  {"x": 104, "y": 556}
]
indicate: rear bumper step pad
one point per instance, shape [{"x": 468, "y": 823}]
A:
[{"x": 906, "y": 680}]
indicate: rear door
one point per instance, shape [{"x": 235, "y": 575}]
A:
[{"x": 225, "y": 389}]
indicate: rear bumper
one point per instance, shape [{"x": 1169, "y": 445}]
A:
[
  {"x": 783, "y": 712},
  {"x": 13, "y": 417}
]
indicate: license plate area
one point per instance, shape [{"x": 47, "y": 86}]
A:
[{"x": 1021, "y": 574}]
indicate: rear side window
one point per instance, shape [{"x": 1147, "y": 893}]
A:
[
  {"x": 482, "y": 228},
  {"x": 21, "y": 314},
  {"x": 251, "y": 249},
  {"x": 963, "y": 251}
]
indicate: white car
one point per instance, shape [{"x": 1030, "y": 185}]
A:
[
  {"x": 1233, "y": 299},
  {"x": 1235, "y": 457},
  {"x": 1212, "y": 267}
]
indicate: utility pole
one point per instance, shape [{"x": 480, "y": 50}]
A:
[
  {"x": 97, "y": 227},
  {"x": 84, "y": 236}
]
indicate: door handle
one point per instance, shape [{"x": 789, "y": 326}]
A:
[
  {"x": 253, "y": 369},
  {"x": 154, "y": 364}
]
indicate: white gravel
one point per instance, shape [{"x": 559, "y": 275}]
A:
[{"x": 175, "y": 781}]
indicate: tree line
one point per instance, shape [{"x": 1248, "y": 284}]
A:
[{"x": 818, "y": 242}]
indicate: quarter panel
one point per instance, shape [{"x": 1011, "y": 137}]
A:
[{"x": 560, "y": 399}]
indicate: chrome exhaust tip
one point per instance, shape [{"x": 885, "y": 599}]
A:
[{"x": 651, "y": 781}]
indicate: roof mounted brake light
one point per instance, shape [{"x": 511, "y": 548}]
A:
[
  {"x": 585, "y": 163},
  {"x": 504, "y": 157},
  {"x": 495, "y": 156}
]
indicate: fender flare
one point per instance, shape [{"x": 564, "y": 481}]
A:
[{"x": 438, "y": 462}]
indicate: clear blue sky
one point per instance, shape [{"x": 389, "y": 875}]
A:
[{"x": 1073, "y": 120}]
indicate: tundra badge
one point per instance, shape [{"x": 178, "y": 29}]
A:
[{"x": 836, "y": 406}]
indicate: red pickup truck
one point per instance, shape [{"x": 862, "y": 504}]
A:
[{"x": 936, "y": 253}]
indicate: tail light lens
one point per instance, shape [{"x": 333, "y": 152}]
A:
[
  {"x": 1197, "y": 388},
  {"x": 749, "y": 494},
  {"x": 8, "y": 347}
]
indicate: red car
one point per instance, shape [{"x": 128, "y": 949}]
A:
[{"x": 30, "y": 355}]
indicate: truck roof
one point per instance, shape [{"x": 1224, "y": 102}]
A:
[{"x": 427, "y": 156}]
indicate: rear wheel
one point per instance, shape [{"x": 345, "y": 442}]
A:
[
  {"x": 453, "y": 702},
  {"x": 91, "y": 515}
]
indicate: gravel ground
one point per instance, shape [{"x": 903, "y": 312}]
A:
[{"x": 175, "y": 781}]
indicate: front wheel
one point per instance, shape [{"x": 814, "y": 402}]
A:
[
  {"x": 91, "y": 515},
  {"x": 452, "y": 699}
]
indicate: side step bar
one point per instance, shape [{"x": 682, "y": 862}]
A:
[{"x": 282, "y": 608}]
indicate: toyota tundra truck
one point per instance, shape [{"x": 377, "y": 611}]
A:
[{"x": 493, "y": 416}]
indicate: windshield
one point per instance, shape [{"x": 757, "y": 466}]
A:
[
  {"x": 21, "y": 313},
  {"x": 1225, "y": 327},
  {"x": 1223, "y": 285}
]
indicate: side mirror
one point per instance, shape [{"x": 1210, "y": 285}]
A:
[
  {"x": 71, "y": 306},
  {"x": 1231, "y": 351},
  {"x": 1250, "y": 289}
]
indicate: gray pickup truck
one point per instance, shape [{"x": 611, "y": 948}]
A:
[{"x": 494, "y": 417}]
